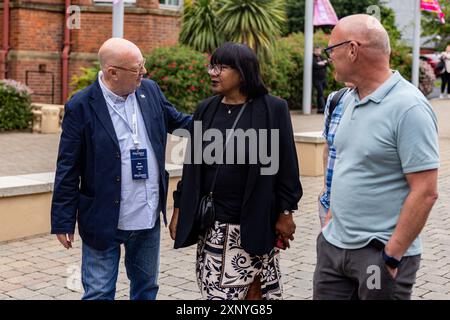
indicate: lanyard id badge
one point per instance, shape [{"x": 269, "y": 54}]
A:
[{"x": 139, "y": 167}]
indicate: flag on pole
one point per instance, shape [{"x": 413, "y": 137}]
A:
[
  {"x": 324, "y": 13},
  {"x": 432, "y": 6}
]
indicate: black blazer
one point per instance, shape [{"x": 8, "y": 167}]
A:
[
  {"x": 266, "y": 196},
  {"x": 87, "y": 183}
]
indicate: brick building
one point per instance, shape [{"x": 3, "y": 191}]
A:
[{"x": 34, "y": 45}]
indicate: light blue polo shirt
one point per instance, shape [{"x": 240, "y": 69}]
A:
[{"x": 381, "y": 138}]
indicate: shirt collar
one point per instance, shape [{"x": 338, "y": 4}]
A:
[
  {"x": 378, "y": 95},
  {"x": 117, "y": 100}
]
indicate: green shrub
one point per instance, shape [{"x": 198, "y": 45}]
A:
[
  {"x": 86, "y": 78},
  {"x": 426, "y": 78},
  {"x": 283, "y": 73},
  {"x": 401, "y": 60},
  {"x": 15, "y": 105},
  {"x": 182, "y": 74}
]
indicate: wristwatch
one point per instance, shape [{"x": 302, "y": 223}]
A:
[
  {"x": 391, "y": 261},
  {"x": 287, "y": 212}
]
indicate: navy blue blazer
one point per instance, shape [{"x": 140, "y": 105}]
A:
[{"x": 87, "y": 185}]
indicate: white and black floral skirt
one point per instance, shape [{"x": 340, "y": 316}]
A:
[{"x": 225, "y": 271}]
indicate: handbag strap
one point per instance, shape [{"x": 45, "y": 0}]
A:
[{"x": 225, "y": 146}]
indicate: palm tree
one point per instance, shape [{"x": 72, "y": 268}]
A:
[
  {"x": 257, "y": 23},
  {"x": 199, "y": 27}
]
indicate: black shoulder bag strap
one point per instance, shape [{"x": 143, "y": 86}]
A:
[
  {"x": 206, "y": 211},
  {"x": 225, "y": 146}
]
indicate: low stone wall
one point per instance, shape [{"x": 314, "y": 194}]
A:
[
  {"x": 47, "y": 118},
  {"x": 310, "y": 147},
  {"x": 25, "y": 202}
]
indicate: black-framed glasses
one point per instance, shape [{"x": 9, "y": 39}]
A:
[
  {"x": 217, "y": 68},
  {"x": 141, "y": 67},
  {"x": 329, "y": 50}
]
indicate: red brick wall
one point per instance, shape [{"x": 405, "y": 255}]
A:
[
  {"x": 39, "y": 83},
  {"x": 36, "y": 30},
  {"x": 139, "y": 3},
  {"x": 41, "y": 30},
  {"x": 1, "y": 26}
]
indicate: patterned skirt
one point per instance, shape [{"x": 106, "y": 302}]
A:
[{"x": 225, "y": 271}]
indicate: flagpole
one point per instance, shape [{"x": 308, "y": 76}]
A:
[
  {"x": 308, "y": 56},
  {"x": 416, "y": 44},
  {"x": 117, "y": 19}
]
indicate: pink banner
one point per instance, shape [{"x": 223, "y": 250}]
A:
[
  {"x": 324, "y": 13},
  {"x": 432, "y": 6}
]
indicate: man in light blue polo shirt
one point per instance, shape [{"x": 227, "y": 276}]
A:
[{"x": 385, "y": 176}]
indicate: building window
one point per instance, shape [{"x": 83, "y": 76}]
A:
[
  {"x": 109, "y": 2},
  {"x": 171, "y": 4}
]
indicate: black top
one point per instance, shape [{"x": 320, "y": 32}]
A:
[{"x": 232, "y": 177}]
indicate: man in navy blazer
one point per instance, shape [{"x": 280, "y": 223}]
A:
[{"x": 110, "y": 174}]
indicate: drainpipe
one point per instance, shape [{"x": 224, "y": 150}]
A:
[
  {"x": 5, "y": 42},
  {"x": 65, "y": 56}
]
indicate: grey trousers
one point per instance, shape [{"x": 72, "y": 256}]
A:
[{"x": 360, "y": 274}]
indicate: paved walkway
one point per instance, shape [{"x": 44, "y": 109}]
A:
[{"x": 39, "y": 268}]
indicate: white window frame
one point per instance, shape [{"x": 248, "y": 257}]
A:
[
  {"x": 171, "y": 6},
  {"x": 109, "y": 2}
]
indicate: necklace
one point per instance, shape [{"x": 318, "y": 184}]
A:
[{"x": 230, "y": 108}]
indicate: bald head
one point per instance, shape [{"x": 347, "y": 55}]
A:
[
  {"x": 122, "y": 64},
  {"x": 367, "y": 30},
  {"x": 115, "y": 51}
]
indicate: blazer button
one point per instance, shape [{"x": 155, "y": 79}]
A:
[
  {"x": 116, "y": 201},
  {"x": 117, "y": 155},
  {"x": 117, "y": 179}
]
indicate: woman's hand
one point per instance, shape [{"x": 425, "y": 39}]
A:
[
  {"x": 173, "y": 223},
  {"x": 285, "y": 228}
]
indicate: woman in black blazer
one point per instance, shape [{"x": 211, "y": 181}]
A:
[{"x": 257, "y": 186}]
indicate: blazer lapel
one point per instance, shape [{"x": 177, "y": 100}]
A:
[
  {"x": 259, "y": 121},
  {"x": 98, "y": 103},
  {"x": 151, "y": 125},
  {"x": 208, "y": 112}
]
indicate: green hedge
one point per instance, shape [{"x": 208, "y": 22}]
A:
[
  {"x": 15, "y": 106},
  {"x": 86, "y": 78},
  {"x": 182, "y": 74},
  {"x": 284, "y": 73}
]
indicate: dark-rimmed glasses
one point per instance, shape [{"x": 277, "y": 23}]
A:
[
  {"x": 329, "y": 50},
  {"x": 217, "y": 68}
]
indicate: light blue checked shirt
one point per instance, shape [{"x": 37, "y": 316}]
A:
[{"x": 329, "y": 133}]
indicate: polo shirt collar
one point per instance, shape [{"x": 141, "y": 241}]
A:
[{"x": 378, "y": 95}]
